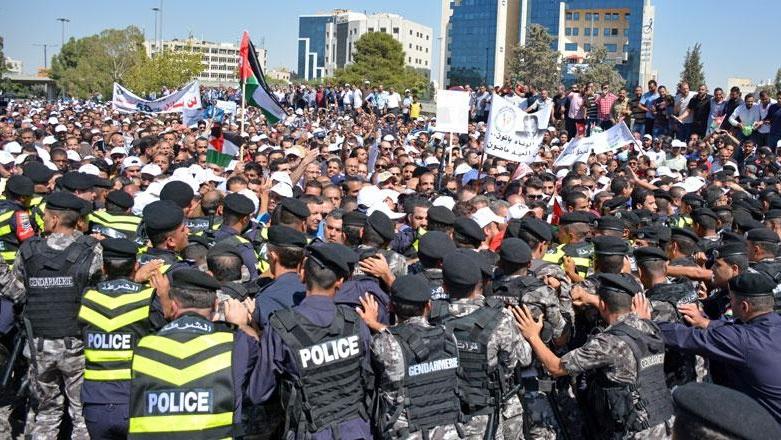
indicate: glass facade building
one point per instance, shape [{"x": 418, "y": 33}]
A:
[
  {"x": 472, "y": 42},
  {"x": 311, "y": 45}
]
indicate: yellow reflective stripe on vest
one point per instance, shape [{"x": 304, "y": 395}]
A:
[
  {"x": 182, "y": 350},
  {"x": 108, "y": 355},
  {"x": 111, "y": 324},
  {"x": 195, "y": 422},
  {"x": 125, "y": 223},
  {"x": 8, "y": 256},
  {"x": 179, "y": 377},
  {"x": 6, "y": 215},
  {"x": 104, "y": 375},
  {"x": 114, "y": 302}
]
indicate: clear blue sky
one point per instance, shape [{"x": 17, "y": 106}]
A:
[{"x": 737, "y": 37}]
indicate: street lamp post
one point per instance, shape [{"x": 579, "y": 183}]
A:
[
  {"x": 156, "y": 10},
  {"x": 63, "y": 20},
  {"x": 45, "y": 47}
]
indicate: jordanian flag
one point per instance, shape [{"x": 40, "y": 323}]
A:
[
  {"x": 223, "y": 147},
  {"x": 256, "y": 91}
]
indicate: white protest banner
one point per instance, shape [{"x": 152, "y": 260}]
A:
[
  {"x": 512, "y": 133},
  {"x": 452, "y": 111},
  {"x": 576, "y": 150},
  {"x": 188, "y": 97},
  {"x": 229, "y": 107},
  {"x": 615, "y": 137}
]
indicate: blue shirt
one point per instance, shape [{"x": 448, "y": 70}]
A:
[
  {"x": 774, "y": 116},
  {"x": 751, "y": 353},
  {"x": 275, "y": 359},
  {"x": 283, "y": 293},
  {"x": 647, "y": 100}
]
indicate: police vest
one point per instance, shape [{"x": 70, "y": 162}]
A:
[
  {"x": 430, "y": 381},
  {"x": 480, "y": 385},
  {"x": 679, "y": 366},
  {"x": 239, "y": 241},
  {"x": 204, "y": 226},
  {"x": 681, "y": 221},
  {"x": 614, "y": 410},
  {"x": 114, "y": 225},
  {"x": 116, "y": 314},
  {"x": 169, "y": 260},
  {"x": 771, "y": 267},
  {"x": 54, "y": 283},
  {"x": 331, "y": 386},
  {"x": 579, "y": 252},
  {"x": 36, "y": 210},
  {"x": 9, "y": 240},
  {"x": 182, "y": 382}
]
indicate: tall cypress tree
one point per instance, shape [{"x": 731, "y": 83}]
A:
[{"x": 692, "y": 67}]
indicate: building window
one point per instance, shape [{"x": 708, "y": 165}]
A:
[
  {"x": 409, "y": 59},
  {"x": 575, "y": 32},
  {"x": 626, "y": 16},
  {"x": 410, "y": 45},
  {"x": 587, "y": 47},
  {"x": 569, "y": 16},
  {"x": 395, "y": 30},
  {"x": 426, "y": 37},
  {"x": 614, "y": 32},
  {"x": 410, "y": 31},
  {"x": 595, "y": 16},
  {"x": 576, "y": 16},
  {"x": 588, "y": 16},
  {"x": 568, "y": 31},
  {"x": 427, "y": 62},
  {"x": 611, "y": 47},
  {"x": 615, "y": 16},
  {"x": 606, "y": 32},
  {"x": 370, "y": 30},
  {"x": 572, "y": 46},
  {"x": 383, "y": 30}
]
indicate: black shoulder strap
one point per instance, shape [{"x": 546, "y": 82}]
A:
[{"x": 413, "y": 340}]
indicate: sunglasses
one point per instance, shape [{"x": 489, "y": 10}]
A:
[{"x": 535, "y": 196}]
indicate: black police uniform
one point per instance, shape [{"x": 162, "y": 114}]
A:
[
  {"x": 116, "y": 223},
  {"x": 434, "y": 245},
  {"x": 239, "y": 205},
  {"x": 15, "y": 222}
]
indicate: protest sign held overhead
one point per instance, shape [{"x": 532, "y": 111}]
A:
[
  {"x": 514, "y": 134},
  {"x": 579, "y": 149},
  {"x": 452, "y": 111},
  {"x": 187, "y": 98}
]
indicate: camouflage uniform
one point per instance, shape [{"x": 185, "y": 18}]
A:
[
  {"x": 542, "y": 269},
  {"x": 506, "y": 339},
  {"x": 60, "y": 362},
  {"x": 435, "y": 279},
  {"x": 387, "y": 352},
  {"x": 396, "y": 262},
  {"x": 609, "y": 351}
]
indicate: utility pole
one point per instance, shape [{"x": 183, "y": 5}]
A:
[
  {"x": 155, "y": 47},
  {"x": 63, "y": 20},
  {"x": 161, "y": 25},
  {"x": 45, "y": 47}
]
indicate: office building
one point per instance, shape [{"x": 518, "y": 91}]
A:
[
  {"x": 326, "y": 41},
  {"x": 481, "y": 34},
  {"x": 220, "y": 60}
]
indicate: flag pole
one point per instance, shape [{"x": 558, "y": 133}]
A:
[{"x": 243, "y": 116}]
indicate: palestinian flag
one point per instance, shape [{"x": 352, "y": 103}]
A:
[
  {"x": 223, "y": 147},
  {"x": 256, "y": 91}
]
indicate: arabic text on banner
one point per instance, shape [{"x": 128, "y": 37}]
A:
[
  {"x": 187, "y": 98},
  {"x": 579, "y": 149},
  {"x": 512, "y": 133}
]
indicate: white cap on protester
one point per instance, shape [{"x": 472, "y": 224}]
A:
[
  {"x": 431, "y": 160},
  {"x": 6, "y": 157},
  {"x": 484, "y": 216},
  {"x": 60, "y": 128},
  {"x": 151, "y": 169},
  {"x": 118, "y": 150},
  {"x": 389, "y": 138},
  {"x": 445, "y": 201},
  {"x": 462, "y": 168},
  {"x": 517, "y": 211},
  {"x": 73, "y": 156},
  {"x": 281, "y": 177},
  {"x": 89, "y": 169},
  {"x": 368, "y": 196},
  {"x": 48, "y": 140},
  {"x": 692, "y": 184},
  {"x": 246, "y": 192},
  {"x": 20, "y": 158},
  {"x": 131, "y": 161},
  {"x": 382, "y": 207},
  {"x": 52, "y": 120},
  {"x": 13, "y": 147},
  {"x": 282, "y": 189}
]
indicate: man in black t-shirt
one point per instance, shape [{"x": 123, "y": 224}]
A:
[{"x": 699, "y": 108}]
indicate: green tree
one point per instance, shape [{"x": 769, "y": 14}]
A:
[
  {"x": 692, "y": 67},
  {"x": 379, "y": 58},
  {"x": 169, "y": 69},
  {"x": 778, "y": 80},
  {"x": 92, "y": 64},
  {"x": 599, "y": 70},
  {"x": 535, "y": 62}
]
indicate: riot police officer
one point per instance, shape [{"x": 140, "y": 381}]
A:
[
  {"x": 49, "y": 275},
  {"x": 116, "y": 220},
  {"x": 574, "y": 253},
  {"x": 164, "y": 225},
  {"x": 762, "y": 244},
  {"x": 434, "y": 245},
  {"x": 285, "y": 253},
  {"x": 236, "y": 214},
  {"x": 16, "y": 224}
]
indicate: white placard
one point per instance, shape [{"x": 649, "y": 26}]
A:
[{"x": 452, "y": 111}]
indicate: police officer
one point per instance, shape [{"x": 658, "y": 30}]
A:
[
  {"x": 626, "y": 394},
  {"x": 80, "y": 184},
  {"x": 289, "y": 212},
  {"x": 762, "y": 245},
  {"x": 730, "y": 260},
  {"x": 211, "y": 204},
  {"x": 116, "y": 220},
  {"x": 417, "y": 365},
  {"x": 376, "y": 235},
  {"x": 318, "y": 352},
  {"x": 285, "y": 254},
  {"x": 49, "y": 275},
  {"x": 488, "y": 390},
  {"x": 164, "y": 225},
  {"x": 41, "y": 176},
  {"x": 749, "y": 345},
  {"x": 116, "y": 315},
  {"x": 434, "y": 245},
  {"x": 236, "y": 218},
  {"x": 574, "y": 252},
  {"x": 706, "y": 225},
  {"x": 689, "y": 202},
  {"x": 16, "y": 225},
  {"x": 188, "y": 378},
  {"x": 665, "y": 298},
  {"x": 440, "y": 218}
]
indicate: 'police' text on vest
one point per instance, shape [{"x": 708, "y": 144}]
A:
[
  {"x": 179, "y": 402},
  {"x": 330, "y": 351}
]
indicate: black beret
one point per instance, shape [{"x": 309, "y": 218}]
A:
[
  {"x": 730, "y": 248},
  {"x": 515, "y": 250},
  {"x": 469, "y": 228},
  {"x": 613, "y": 282},
  {"x": 576, "y": 217},
  {"x": 615, "y": 202},
  {"x": 75, "y": 181},
  {"x": 538, "y": 228},
  {"x": 193, "y": 279},
  {"x": 100, "y": 182},
  {"x": 120, "y": 248},
  {"x": 354, "y": 218},
  {"x": 775, "y": 203},
  {"x": 65, "y": 201},
  {"x": 120, "y": 198},
  {"x": 441, "y": 214},
  {"x": 435, "y": 245},
  {"x": 721, "y": 208},
  {"x": 178, "y": 192},
  {"x": 772, "y": 214},
  {"x": 20, "y": 185},
  {"x": 514, "y": 228},
  {"x": 762, "y": 234},
  {"x": 733, "y": 237},
  {"x": 382, "y": 224},
  {"x": 38, "y": 172},
  {"x": 295, "y": 207},
  {"x": 629, "y": 217},
  {"x": 198, "y": 239},
  {"x": 703, "y": 212},
  {"x": 239, "y": 204},
  {"x": 662, "y": 194},
  {"x": 484, "y": 261},
  {"x": 684, "y": 232},
  {"x": 162, "y": 216},
  {"x": 223, "y": 249},
  {"x": 752, "y": 284},
  {"x": 608, "y": 245},
  {"x": 351, "y": 256},
  {"x": 280, "y": 235},
  {"x": 610, "y": 222},
  {"x": 725, "y": 411},
  {"x": 330, "y": 256},
  {"x": 234, "y": 290},
  {"x": 460, "y": 269},
  {"x": 693, "y": 200},
  {"x": 411, "y": 289},
  {"x": 649, "y": 253},
  {"x": 648, "y": 233}
]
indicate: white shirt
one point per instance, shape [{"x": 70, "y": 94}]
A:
[
  {"x": 681, "y": 104},
  {"x": 747, "y": 115},
  {"x": 393, "y": 100},
  {"x": 357, "y": 98},
  {"x": 347, "y": 97},
  {"x": 765, "y": 128}
]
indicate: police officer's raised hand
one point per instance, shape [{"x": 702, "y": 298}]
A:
[
  {"x": 369, "y": 311},
  {"x": 524, "y": 319},
  {"x": 693, "y": 316},
  {"x": 641, "y": 306},
  {"x": 145, "y": 272},
  {"x": 236, "y": 312}
]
